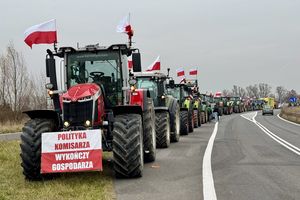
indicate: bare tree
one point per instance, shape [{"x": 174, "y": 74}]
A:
[
  {"x": 264, "y": 90},
  {"x": 18, "y": 78},
  {"x": 252, "y": 91},
  {"x": 281, "y": 93},
  {"x": 3, "y": 80},
  {"x": 226, "y": 93}
]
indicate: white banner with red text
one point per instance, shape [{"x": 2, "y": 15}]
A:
[{"x": 71, "y": 151}]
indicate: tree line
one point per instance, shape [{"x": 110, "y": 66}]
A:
[
  {"x": 262, "y": 90},
  {"x": 19, "y": 89}
]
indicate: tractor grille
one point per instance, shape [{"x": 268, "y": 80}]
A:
[{"x": 78, "y": 112}]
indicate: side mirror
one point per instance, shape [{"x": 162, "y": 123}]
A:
[
  {"x": 50, "y": 65},
  {"x": 136, "y": 62},
  {"x": 171, "y": 83}
]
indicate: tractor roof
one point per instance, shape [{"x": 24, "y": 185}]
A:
[
  {"x": 94, "y": 47},
  {"x": 150, "y": 74}
]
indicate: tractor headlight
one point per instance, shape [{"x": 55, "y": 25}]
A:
[
  {"x": 66, "y": 124},
  {"x": 163, "y": 96},
  {"x": 87, "y": 123},
  {"x": 50, "y": 92},
  {"x": 132, "y": 88}
]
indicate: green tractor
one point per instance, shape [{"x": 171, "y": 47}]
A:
[
  {"x": 167, "y": 109},
  {"x": 206, "y": 110},
  {"x": 228, "y": 105},
  {"x": 187, "y": 113},
  {"x": 238, "y": 105},
  {"x": 193, "y": 86}
]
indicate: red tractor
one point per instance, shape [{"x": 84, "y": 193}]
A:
[{"x": 95, "y": 101}]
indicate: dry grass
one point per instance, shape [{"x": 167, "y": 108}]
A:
[
  {"x": 11, "y": 127},
  {"x": 86, "y": 185},
  {"x": 295, "y": 110}
]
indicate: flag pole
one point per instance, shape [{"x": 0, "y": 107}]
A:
[
  {"x": 197, "y": 77},
  {"x": 129, "y": 36}
]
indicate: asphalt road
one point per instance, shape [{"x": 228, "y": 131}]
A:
[
  {"x": 246, "y": 163},
  {"x": 176, "y": 173}
]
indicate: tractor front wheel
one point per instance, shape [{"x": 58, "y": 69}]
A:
[
  {"x": 128, "y": 145},
  {"x": 196, "y": 119},
  {"x": 162, "y": 128},
  {"x": 191, "y": 120},
  {"x": 31, "y": 139},
  {"x": 149, "y": 135},
  {"x": 184, "y": 123},
  {"x": 176, "y": 125}
]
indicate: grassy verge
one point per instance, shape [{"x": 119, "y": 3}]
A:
[
  {"x": 85, "y": 185},
  {"x": 291, "y": 114},
  {"x": 10, "y": 127}
]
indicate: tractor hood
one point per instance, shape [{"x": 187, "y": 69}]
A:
[{"x": 81, "y": 91}]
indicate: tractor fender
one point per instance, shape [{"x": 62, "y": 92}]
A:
[
  {"x": 44, "y": 114},
  {"x": 128, "y": 109},
  {"x": 184, "y": 109},
  {"x": 161, "y": 109}
]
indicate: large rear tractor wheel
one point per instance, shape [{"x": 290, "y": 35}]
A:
[
  {"x": 196, "y": 119},
  {"x": 31, "y": 139},
  {"x": 149, "y": 135},
  {"x": 175, "y": 128},
  {"x": 226, "y": 111},
  {"x": 202, "y": 117},
  {"x": 128, "y": 146},
  {"x": 184, "y": 123},
  {"x": 162, "y": 128}
]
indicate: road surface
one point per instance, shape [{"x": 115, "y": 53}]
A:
[{"x": 246, "y": 162}]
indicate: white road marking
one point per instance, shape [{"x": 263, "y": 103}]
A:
[
  {"x": 278, "y": 139},
  {"x": 287, "y": 120},
  {"x": 209, "y": 192}
]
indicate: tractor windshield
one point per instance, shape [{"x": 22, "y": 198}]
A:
[
  {"x": 102, "y": 68},
  {"x": 148, "y": 83},
  {"x": 175, "y": 92}
]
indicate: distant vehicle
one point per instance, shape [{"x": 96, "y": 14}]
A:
[{"x": 267, "y": 109}]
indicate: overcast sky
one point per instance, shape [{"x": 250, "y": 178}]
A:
[{"x": 239, "y": 42}]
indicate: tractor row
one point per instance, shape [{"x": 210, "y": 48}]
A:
[{"x": 101, "y": 105}]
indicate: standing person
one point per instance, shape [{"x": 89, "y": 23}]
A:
[{"x": 216, "y": 113}]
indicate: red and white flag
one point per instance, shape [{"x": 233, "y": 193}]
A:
[
  {"x": 193, "y": 72},
  {"x": 44, "y": 33},
  {"x": 218, "y": 94},
  {"x": 180, "y": 71},
  {"x": 155, "y": 65},
  {"x": 125, "y": 27}
]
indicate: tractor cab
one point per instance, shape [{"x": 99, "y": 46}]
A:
[
  {"x": 95, "y": 80},
  {"x": 155, "y": 84},
  {"x": 179, "y": 91}
]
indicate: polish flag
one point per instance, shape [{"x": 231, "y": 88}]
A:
[
  {"x": 130, "y": 64},
  {"x": 125, "y": 27},
  {"x": 193, "y": 72},
  {"x": 180, "y": 71},
  {"x": 155, "y": 65},
  {"x": 44, "y": 33},
  {"x": 218, "y": 94}
]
